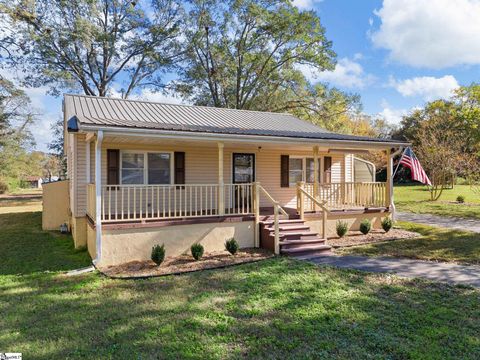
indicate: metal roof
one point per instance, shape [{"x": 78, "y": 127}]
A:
[{"x": 112, "y": 112}]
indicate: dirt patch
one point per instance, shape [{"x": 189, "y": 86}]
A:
[
  {"x": 184, "y": 263},
  {"x": 357, "y": 238}
]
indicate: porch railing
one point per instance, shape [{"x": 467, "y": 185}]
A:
[
  {"x": 154, "y": 202},
  {"x": 348, "y": 195}
]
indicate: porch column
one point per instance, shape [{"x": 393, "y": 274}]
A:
[
  {"x": 221, "y": 184},
  {"x": 87, "y": 157},
  {"x": 315, "y": 175},
  {"x": 98, "y": 195},
  {"x": 389, "y": 184}
]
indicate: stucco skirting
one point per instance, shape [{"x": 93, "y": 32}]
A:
[
  {"x": 123, "y": 245},
  {"x": 353, "y": 220}
]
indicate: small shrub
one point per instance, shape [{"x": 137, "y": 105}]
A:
[
  {"x": 231, "y": 245},
  {"x": 387, "y": 224},
  {"x": 158, "y": 254},
  {"x": 365, "y": 226},
  {"x": 342, "y": 228},
  {"x": 197, "y": 251},
  {"x": 460, "y": 199}
]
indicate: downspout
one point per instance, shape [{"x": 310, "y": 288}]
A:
[
  {"x": 98, "y": 197},
  {"x": 390, "y": 163}
]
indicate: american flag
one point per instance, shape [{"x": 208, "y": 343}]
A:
[{"x": 410, "y": 160}]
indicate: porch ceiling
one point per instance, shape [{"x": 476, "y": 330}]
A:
[{"x": 257, "y": 144}]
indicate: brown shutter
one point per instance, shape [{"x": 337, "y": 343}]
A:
[
  {"x": 179, "y": 166},
  {"x": 113, "y": 167},
  {"x": 327, "y": 169},
  {"x": 284, "y": 171}
]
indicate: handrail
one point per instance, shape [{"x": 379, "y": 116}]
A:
[
  {"x": 276, "y": 221},
  {"x": 272, "y": 200},
  {"x": 316, "y": 201},
  {"x": 325, "y": 211}
]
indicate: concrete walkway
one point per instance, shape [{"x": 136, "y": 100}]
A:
[
  {"x": 441, "y": 221},
  {"x": 435, "y": 271}
]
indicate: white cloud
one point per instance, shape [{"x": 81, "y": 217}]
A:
[
  {"x": 428, "y": 87},
  {"x": 347, "y": 74},
  {"x": 160, "y": 97},
  {"x": 305, "y": 4},
  {"x": 392, "y": 115},
  {"x": 430, "y": 33}
]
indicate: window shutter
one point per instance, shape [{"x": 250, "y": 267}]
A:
[
  {"x": 179, "y": 166},
  {"x": 113, "y": 167},
  {"x": 327, "y": 172},
  {"x": 284, "y": 171}
]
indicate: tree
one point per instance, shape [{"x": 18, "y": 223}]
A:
[
  {"x": 247, "y": 54},
  {"x": 90, "y": 44},
  {"x": 56, "y": 146},
  {"x": 438, "y": 138}
]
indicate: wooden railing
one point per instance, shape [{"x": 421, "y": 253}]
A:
[
  {"x": 302, "y": 195},
  {"x": 153, "y": 202},
  {"x": 277, "y": 209},
  {"x": 91, "y": 207},
  {"x": 348, "y": 195}
]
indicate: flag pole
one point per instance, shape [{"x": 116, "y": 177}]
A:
[{"x": 399, "y": 161}]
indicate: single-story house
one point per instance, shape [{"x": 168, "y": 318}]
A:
[{"x": 145, "y": 173}]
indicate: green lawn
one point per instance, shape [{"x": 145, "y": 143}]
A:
[
  {"x": 433, "y": 244},
  {"x": 416, "y": 199},
  {"x": 275, "y": 309}
]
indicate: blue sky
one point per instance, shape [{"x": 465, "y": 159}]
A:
[{"x": 397, "y": 54}]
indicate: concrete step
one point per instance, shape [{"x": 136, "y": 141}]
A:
[
  {"x": 292, "y": 244},
  {"x": 289, "y": 228},
  {"x": 307, "y": 249},
  {"x": 271, "y": 222},
  {"x": 297, "y": 235}
]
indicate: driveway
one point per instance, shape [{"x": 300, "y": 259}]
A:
[
  {"x": 434, "y": 271},
  {"x": 441, "y": 221}
]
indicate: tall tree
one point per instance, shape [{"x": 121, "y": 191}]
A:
[
  {"x": 90, "y": 44},
  {"x": 56, "y": 146},
  {"x": 244, "y": 54}
]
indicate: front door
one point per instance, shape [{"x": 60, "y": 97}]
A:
[{"x": 243, "y": 172}]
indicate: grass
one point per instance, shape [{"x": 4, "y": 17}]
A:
[
  {"x": 433, "y": 244},
  {"x": 278, "y": 308},
  {"x": 416, "y": 199}
]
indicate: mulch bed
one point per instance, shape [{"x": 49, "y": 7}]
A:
[
  {"x": 355, "y": 238},
  {"x": 184, "y": 264}
]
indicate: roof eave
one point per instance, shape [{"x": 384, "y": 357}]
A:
[{"x": 208, "y": 136}]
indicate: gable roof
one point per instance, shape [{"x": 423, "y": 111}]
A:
[{"x": 119, "y": 113}]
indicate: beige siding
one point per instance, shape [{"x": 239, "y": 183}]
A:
[
  {"x": 80, "y": 173},
  {"x": 364, "y": 171},
  {"x": 202, "y": 167}
]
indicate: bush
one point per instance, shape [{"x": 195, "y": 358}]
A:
[
  {"x": 158, "y": 254},
  {"x": 342, "y": 228},
  {"x": 460, "y": 199},
  {"x": 365, "y": 226},
  {"x": 387, "y": 224},
  {"x": 197, "y": 251},
  {"x": 231, "y": 245}
]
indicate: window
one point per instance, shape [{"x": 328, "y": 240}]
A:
[
  {"x": 146, "y": 168},
  {"x": 302, "y": 169},
  {"x": 295, "y": 171}
]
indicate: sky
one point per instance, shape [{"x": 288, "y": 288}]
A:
[{"x": 396, "y": 54}]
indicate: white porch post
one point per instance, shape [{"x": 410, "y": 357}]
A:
[
  {"x": 98, "y": 195},
  {"x": 389, "y": 194},
  {"x": 87, "y": 156},
  {"x": 315, "y": 175},
  {"x": 221, "y": 184}
]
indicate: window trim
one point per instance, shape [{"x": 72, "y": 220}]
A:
[{"x": 145, "y": 165}]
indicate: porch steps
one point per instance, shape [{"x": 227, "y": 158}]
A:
[{"x": 296, "y": 238}]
